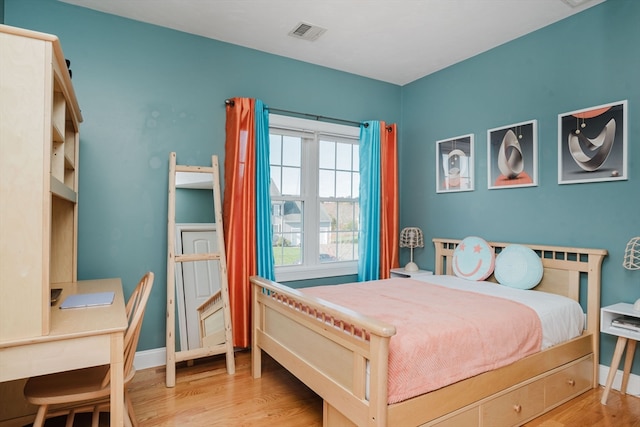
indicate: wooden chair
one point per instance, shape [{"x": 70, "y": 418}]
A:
[{"x": 87, "y": 390}]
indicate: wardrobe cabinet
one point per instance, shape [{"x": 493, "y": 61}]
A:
[{"x": 39, "y": 141}]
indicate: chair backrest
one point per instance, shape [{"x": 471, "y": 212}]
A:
[{"x": 135, "y": 308}]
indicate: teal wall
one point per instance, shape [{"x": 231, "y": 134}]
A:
[
  {"x": 587, "y": 60},
  {"x": 145, "y": 91}
]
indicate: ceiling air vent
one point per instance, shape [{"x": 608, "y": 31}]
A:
[
  {"x": 307, "y": 31},
  {"x": 576, "y": 3}
]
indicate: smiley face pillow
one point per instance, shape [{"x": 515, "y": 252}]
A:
[{"x": 473, "y": 259}]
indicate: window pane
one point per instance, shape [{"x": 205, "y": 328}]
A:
[
  {"x": 347, "y": 216},
  {"x": 348, "y": 226},
  {"x": 287, "y": 220},
  {"x": 327, "y": 154},
  {"x": 276, "y": 181},
  {"x": 291, "y": 181},
  {"x": 343, "y": 181},
  {"x": 291, "y": 151},
  {"x": 343, "y": 156},
  {"x": 326, "y": 230},
  {"x": 275, "y": 149},
  {"x": 348, "y": 246},
  {"x": 338, "y": 231},
  {"x": 327, "y": 247},
  {"x": 287, "y": 255},
  {"x": 326, "y": 183}
]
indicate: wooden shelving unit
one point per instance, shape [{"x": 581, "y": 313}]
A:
[{"x": 39, "y": 137}]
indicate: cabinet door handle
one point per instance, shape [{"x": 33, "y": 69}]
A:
[
  {"x": 571, "y": 382},
  {"x": 517, "y": 408}
]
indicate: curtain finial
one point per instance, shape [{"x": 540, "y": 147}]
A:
[{"x": 229, "y": 102}]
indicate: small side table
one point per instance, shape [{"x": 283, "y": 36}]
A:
[
  {"x": 626, "y": 338},
  {"x": 401, "y": 272}
]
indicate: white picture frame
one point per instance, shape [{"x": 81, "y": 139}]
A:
[
  {"x": 512, "y": 156},
  {"x": 455, "y": 164},
  {"x": 592, "y": 144}
]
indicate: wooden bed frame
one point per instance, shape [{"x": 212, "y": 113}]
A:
[{"x": 330, "y": 349}]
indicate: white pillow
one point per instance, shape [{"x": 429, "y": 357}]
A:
[
  {"x": 518, "y": 266},
  {"x": 473, "y": 259}
]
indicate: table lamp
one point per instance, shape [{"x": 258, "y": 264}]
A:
[
  {"x": 411, "y": 237},
  {"x": 631, "y": 261}
]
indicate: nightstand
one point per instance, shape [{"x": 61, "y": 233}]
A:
[
  {"x": 626, "y": 338},
  {"x": 401, "y": 272}
]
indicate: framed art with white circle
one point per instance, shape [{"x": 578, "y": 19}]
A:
[
  {"x": 592, "y": 144},
  {"x": 454, "y": 164},
  {"x": 512, "y": 156}
]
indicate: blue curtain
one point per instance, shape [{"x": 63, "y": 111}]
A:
[
  {"x": 369, "y": 237},
  {"x": 264, "y": 232}
]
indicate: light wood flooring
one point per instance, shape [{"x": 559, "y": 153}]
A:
[{"x": 205, "y": 396}]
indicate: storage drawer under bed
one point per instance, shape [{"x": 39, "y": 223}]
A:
[{"x": 522, "y": 403}]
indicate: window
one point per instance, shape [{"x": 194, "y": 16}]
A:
[{"x": 315, "y": 182}]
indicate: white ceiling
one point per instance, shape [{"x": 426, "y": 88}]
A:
[{"x": 396, "y": 41}]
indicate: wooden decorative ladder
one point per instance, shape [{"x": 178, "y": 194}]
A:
[{"x": 215, "y": 313}]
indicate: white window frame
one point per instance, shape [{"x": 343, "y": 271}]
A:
[{"x": 310, "y": 172}]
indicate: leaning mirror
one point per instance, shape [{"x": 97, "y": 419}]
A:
[{"x": 195, "y": 232}]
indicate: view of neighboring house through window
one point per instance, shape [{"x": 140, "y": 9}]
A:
[{"x": 314, "y": 196}]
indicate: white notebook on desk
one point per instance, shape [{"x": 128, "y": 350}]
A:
[{"x": 88, "y": 300}]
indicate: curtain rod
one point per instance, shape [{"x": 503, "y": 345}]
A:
[{"x": 313, "y": 116}]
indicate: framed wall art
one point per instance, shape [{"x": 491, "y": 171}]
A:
[
  {"x": 592, "y": 144},
  {"x": 512, "y": 155},
  {"x": 454, "y": 164}
]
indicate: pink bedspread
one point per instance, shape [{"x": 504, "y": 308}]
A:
[{"x": 443, "y": 335}]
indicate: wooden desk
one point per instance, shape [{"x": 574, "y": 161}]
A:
[{"x": 78, "y": 338}]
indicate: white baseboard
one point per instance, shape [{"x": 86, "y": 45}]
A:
[
  {"x": 633, "y": 387},
  {"x": 150, "y": 358},
  {"x": 158, "y": 357}
]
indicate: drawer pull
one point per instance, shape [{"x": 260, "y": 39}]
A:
[
  {"x": 517, "y": 408},
  {"x": 571, "y": 382}
]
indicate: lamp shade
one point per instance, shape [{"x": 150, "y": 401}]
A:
[
  {"x": 631, "y": 259},
  {"x": 411, "y": 237}
]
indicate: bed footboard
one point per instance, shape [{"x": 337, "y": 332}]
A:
[{"x": 326, "y": 346}]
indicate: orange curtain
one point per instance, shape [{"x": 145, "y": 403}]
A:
[
  {"x": 389, "y": 221},
  {"x": 239, "y": 213}
]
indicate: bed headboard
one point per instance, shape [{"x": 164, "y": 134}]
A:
[
  {"x": 562, "y": 265},
  {"x": 563, "y": 270}
]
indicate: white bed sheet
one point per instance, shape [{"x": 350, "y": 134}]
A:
[{"x": 561, "y": 318}]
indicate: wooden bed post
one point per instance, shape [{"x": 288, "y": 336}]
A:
[
  {"x": 593, "y": 308},
  {"x": 256, "y": 322},
  {"x": 379, "y": 373}
]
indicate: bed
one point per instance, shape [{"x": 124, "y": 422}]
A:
[{"x": 343, "y": 354}]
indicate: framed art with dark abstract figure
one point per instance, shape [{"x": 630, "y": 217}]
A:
[{"x": 592, "y": 144}]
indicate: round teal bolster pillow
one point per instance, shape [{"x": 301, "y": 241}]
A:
[{"x": 518, "y": 266}]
